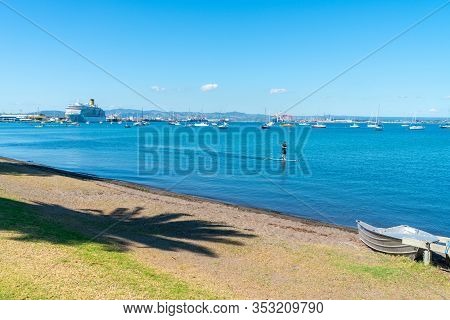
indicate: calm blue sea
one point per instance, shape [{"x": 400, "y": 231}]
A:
[{"x": 385, "y": 178}]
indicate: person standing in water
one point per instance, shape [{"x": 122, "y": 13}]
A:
[{"x": 283, "y": 151}]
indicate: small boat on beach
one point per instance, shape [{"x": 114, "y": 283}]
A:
[{"x": 390, "y": 240}]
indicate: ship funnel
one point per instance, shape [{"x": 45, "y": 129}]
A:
[{"x": 91, "y": 102}]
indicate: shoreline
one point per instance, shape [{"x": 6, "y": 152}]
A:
[
  {"x": 55, "y": 224},
  {"x": 189, "y": 197}
]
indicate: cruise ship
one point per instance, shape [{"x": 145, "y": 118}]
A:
[{"x": 79, "y": 112}]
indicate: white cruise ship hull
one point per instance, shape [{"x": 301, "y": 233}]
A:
[
  {"x": 83, "y": 119},
  {"x": 85, "y": 113}
]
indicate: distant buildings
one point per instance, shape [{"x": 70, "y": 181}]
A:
[{"x": 22, "y": 117}]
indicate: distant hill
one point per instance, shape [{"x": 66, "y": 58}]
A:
[
  {"x": 233, "y": 116},
  {"x": 127, "y": 112}
]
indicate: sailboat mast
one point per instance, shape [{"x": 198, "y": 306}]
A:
[{"x": 378, "y": 114}]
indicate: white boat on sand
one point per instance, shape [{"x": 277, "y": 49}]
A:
[{"x": 403, "y": 240}]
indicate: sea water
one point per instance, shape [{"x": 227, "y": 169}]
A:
[{"x": 396, "y": 176}]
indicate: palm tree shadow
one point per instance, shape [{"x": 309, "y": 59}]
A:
[{"x": 120, "y": 228}]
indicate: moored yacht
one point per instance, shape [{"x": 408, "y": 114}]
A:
[
  {"x": 416, "y": 127},
  {"x": 378, "y": 127},
  {"x": 222, "y": 125},
  {"x": 318, "y": 125},
  {"x": 267, "y": 125},
  {"x": 201, "y": 124}
]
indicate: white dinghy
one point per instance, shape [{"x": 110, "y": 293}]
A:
[{"x": 403, "y": 240}]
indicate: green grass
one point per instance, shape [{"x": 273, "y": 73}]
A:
[
  {"x": 374, "y": 275},
  {"x": 42, "y": 259},
  {"x": 378, "y": 272}
]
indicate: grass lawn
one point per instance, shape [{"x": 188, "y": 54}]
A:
[{"x": 41, "y": 259}]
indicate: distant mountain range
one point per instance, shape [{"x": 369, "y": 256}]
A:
[
  {"x": 123, "y": 112},
  {"x": 233, "y": 116}
]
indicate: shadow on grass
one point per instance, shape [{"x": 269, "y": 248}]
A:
[{"x": 121, "y": 227}]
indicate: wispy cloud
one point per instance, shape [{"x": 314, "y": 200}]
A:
[
  {"x": 277, "y": 90},
  {"x": 447, "y": 97},
  {"x": 158, "y": 88},
  {"x": 209, "y": 87},
  {"x": 433, "y": 110},
  {"x": 402, "y": 97}
]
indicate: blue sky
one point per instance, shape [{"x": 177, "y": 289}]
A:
[{"x": 251, "y": 55}]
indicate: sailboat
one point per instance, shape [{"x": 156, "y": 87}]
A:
[
  {"x": 318, "y": 125},
  {"x": 222, "y": 125},
  {"x": 415, "y": 126},
  {"x": 445, "y": 125},
  {"x": 370, "y": 123},
  {"x": 268, "y": 124},
  {"x": 378, "y": 125},
  {"x": 174, "y": 121},
  {"x": 354, "y": 125}
]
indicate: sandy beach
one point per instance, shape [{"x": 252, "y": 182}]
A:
[{"x": 228, "y": 251}]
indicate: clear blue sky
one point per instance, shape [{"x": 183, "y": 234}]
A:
[{"x": 168, "y": 49}]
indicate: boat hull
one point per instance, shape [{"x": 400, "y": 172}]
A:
[
  {"x": 84, "y": 119},
  {"x": 386, "y": 244}
]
